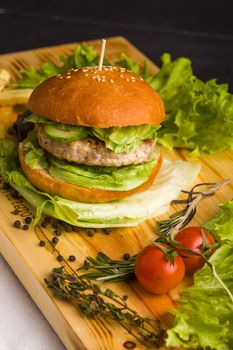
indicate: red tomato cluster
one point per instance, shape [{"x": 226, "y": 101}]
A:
[{"x": 158, "y": 274}]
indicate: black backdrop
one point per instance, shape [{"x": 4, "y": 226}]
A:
[{"x": 200, "y": 30}]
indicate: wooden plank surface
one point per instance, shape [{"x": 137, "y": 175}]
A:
[{"x": 31, "y": 263}]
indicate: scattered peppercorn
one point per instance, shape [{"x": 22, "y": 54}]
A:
[
  {"x": 125, "y": 297},
  {"x": 55, "y": 240},
  {"x": 60, "y": 258},
  {"x": 25, "y": 227},
  {"x": 90, "y": 232},
  {"x": 17, "y": 224},
  {"x": 55, "y": 225},
  {"x": 107, "y": 230},
  {"x": 72, "y": 258},
  {"x": 126, "y": 256},
  {"x": 44, "y": 224},
  {"x": 42, "y": 243},
  {"x": 28, "y": 220},
  {"x": 57, "y": 232}
]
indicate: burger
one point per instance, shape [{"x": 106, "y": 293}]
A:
[{"x": 94, "y": 136}]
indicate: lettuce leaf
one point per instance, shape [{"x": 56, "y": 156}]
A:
[
  {"x": 199, "y": 116},
  {"x": 119, "y": 140},
  {"x": 205, "y": 314},
  {"x": 126, "y": 212},
  {"x": 221, "y": 226},
  {"x": 107, "y": 178},
  {"x": 125, "y": 139},
  {"x": 83, "y": 56},
  {"x": 114, "y": 179}
]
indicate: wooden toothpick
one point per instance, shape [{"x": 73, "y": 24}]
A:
[{"x": 102, "y": 54}]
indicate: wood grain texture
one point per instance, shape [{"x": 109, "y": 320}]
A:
[{"x": 31, "y": 263}]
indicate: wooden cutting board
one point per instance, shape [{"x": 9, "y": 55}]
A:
[{"x": 32, "y": 263}]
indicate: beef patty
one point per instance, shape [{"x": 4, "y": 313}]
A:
[{"x": 91, "y": 151}]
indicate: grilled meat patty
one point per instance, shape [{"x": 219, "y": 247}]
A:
[{"x": 93, "y": 152}]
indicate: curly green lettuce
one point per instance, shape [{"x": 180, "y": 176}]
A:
[
  {"x": 204, "y": 317},
  {"x": 199, "y": 116}
]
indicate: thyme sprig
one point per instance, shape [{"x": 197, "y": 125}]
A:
[
  {"x": 94, "y": 302},
  {"x": 107, "y": 269}
]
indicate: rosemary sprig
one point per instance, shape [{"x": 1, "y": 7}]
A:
[
  {"x": 106, "y": 269},
  {"x": 180, "y": 219},
  {"x": 109, "y": 270},
  {"x": 94, "y": 302}
]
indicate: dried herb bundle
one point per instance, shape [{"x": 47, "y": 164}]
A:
[{"x": 94, "y": 302}]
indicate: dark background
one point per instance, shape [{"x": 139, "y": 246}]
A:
[{"x": 200, "y": 30}]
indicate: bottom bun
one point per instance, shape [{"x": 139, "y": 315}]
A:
[{"x": 45, "y": 182}]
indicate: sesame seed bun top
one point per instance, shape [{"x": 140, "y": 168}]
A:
[{"x": 103, "y": 98}]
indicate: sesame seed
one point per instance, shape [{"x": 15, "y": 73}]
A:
[
  {"x": 111, "y": 81},
  {"x": 58, "y": 75},
  {"x": 141, "y": 79},
  {"x": 85, "y": 70},
  {"x": 122, "y": 76},
  {"x": 75, "y": 70},
  {"x": 127, "y": 79},
  {"x": 68, "y": 77},
  {"x": 86, "y": 74}
]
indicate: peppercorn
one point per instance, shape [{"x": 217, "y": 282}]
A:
[
  {"x": 90, "y": 232},
  {"x": 28, "y": 220},
  {"x": 55, "y": 240},
  {"x": 72, "y": 258},
  {"x": 25, "y": 227},
  {"x": 55, "y": 225},
  {"x": 57, "y": 232},
  {"x": 42, "y": 243},
  {"x": 44, "y": 224},
  {"x": 17, "y": 224},
  {"x": 107, "y": 230},
  {"x": 60, "y": 258},
  {"x": 126, "y": 256}
]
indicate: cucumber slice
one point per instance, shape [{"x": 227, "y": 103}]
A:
[{"x": 65, "y": 133}]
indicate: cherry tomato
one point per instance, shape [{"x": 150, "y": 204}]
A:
[
  {"x": 156, "y": 274},
  {"x": 191, "y": 238}
]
